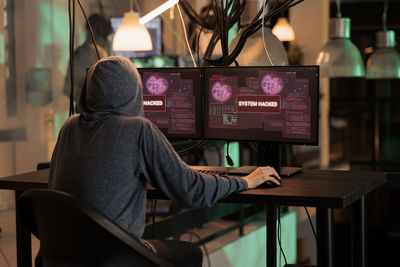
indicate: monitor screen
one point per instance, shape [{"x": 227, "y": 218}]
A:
[
  {"x": 271, "y": 104},
  {"x": 172, "y": 100},
  {"x": 154, "y": 27}
]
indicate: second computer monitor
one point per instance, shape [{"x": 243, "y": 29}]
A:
[
  {"x": 272, "y": 104},
  {"x": 172, "y": 100}
]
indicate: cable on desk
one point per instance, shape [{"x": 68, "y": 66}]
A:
[{"x": 312, "y": 226}]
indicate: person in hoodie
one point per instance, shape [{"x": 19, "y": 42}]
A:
[{"x": 106, "y": 154}]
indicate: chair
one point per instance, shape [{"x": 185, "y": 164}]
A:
[{"x": 72, "y": 233}]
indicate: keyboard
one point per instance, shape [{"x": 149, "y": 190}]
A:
[
  {"x": 239, "y": 171},
  {"x": 242, "y": 171}
]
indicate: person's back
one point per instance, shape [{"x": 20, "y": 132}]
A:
[
  {"x": 100, "y": 169},
  {"x": 105, "y": 155}
]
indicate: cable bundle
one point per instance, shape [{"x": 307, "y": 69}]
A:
[{"x": 227, "y": 14}]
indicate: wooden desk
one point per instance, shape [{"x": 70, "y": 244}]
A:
[{"x": 322, "y": 189}]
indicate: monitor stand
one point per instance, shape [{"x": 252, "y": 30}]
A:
[{"x": 269, "y": 154}]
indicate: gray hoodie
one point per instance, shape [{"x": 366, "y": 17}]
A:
[{"x": 105, "y": 155}]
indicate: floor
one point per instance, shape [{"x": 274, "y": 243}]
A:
[{"x": 8, "y": 250}]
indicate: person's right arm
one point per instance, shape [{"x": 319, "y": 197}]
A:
[{"x": 165, "y": 170}]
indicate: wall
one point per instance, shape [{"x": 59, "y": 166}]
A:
[
  {"x": 310, "y": 22},
  {"x": 41, "y": 54}
]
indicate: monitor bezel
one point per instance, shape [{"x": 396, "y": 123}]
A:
[{"x": 314, "y": 140}]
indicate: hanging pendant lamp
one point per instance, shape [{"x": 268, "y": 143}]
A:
[
  {"x": 384, "y": 63},
  {"x": 131, "y": 35},
  {"x": 283, "y": 30},
  {"x": 339, "y": 57}
]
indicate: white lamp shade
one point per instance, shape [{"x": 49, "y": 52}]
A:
[
  {"x": 131, "y": 35},
  {"x": 340, "y": 58},
  {"x": 283, "y": 30},
  {"x": 253, "y": 52}
]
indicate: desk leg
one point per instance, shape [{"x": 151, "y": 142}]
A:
[
  {"x": 325, "y": 237},
  {"x": 271, "y": 235},
  {"x": 358, "y": 240},
  {"x": 24, "y": 245}
]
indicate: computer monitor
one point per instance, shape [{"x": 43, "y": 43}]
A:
[
  {"x": 265, "y": 104},
  {"x": 155, "y": 29},
  {"x": 172, "y": 100}
]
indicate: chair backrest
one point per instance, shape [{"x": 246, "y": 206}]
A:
[{"x": 73, "y": 233}]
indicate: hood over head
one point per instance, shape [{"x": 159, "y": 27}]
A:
[{"x": 113, "y": 86}]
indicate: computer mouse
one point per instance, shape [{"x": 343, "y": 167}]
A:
[{"x": 268, "y": 184}]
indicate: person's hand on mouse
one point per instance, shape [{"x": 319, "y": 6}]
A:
[{"x": 261, "y": 175}]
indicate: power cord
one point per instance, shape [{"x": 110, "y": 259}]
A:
[
  {"x": 263, "y": 34},
  {"x": 253, "y": 146},
  {"x": 338, "y": 11},
  {"x": 137, "y": 6},
  {"x": 235, "y": 10},
  {"x": 312, "y": 226},
  {"x": 384, "y": 15},
  {"x": 5, "y": 258},
  {"x": 186, "y": 38},
  {"x": 91, "y": 30},
  {"x": 71, "y": 19},
  {"x": 228, "y": 158},
  {"x": 153, "y": 211},
  {"x": 203, "y": 245},
  {"x": 199, "y": 35},
  {"x": 279, "y": 239},
  {"x": 195, "y": 146}
]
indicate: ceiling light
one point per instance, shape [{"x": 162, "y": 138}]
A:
[
  {"x": 283, "y": 30},
  {"x": 131, "y": 35},
  {"x": 158, "y": 11},
  {"x": 339, "y": 57},
  {"x": 385, "y": 62}
]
